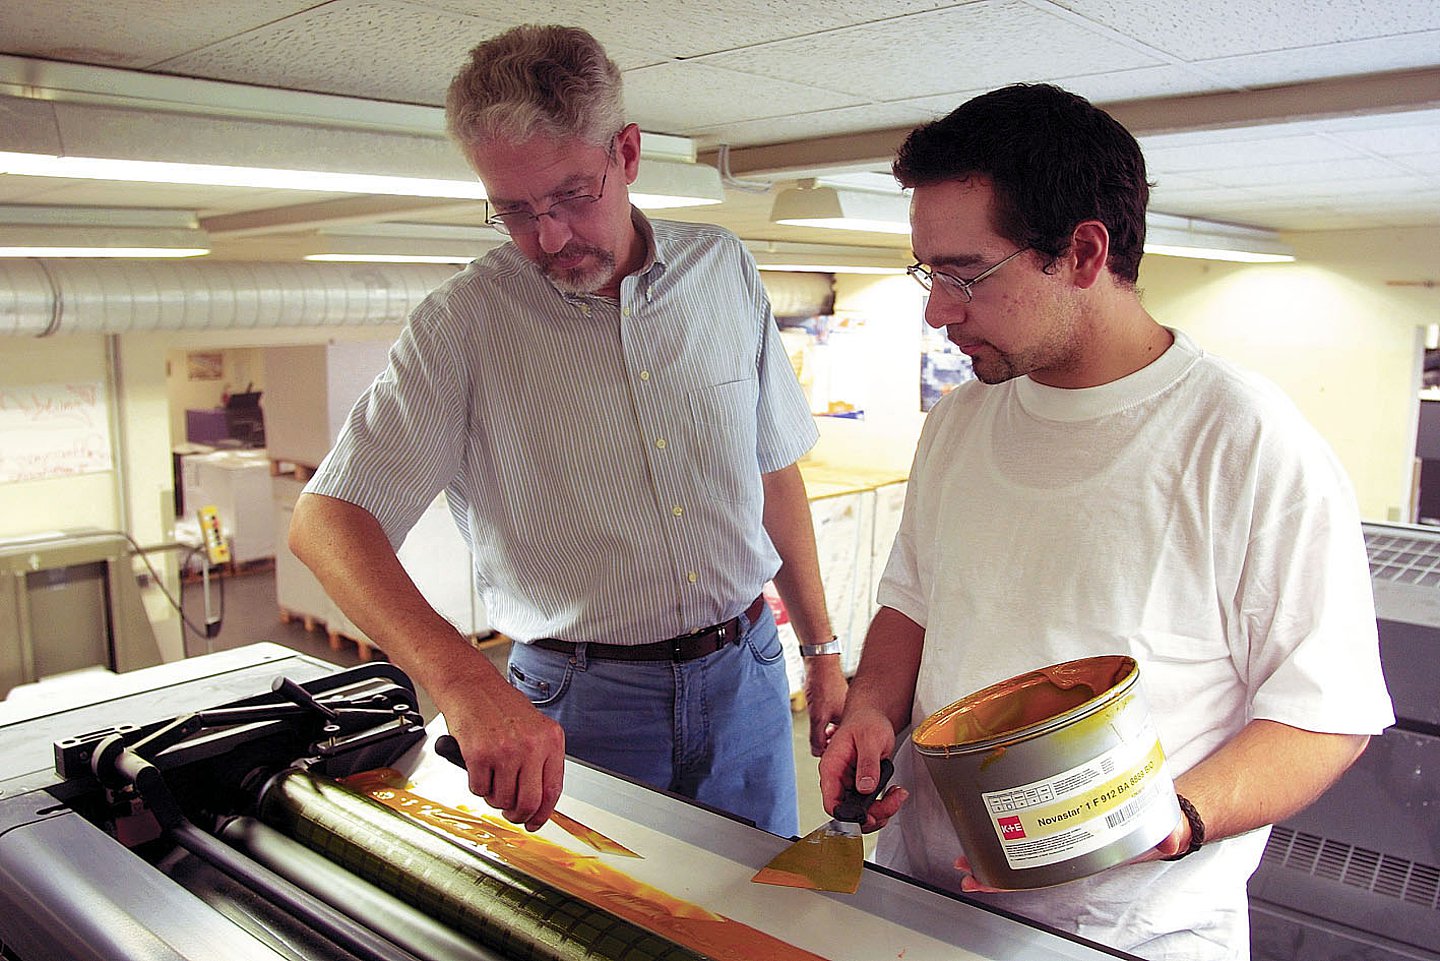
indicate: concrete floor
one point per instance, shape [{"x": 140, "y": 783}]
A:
[{"x": 251, "y": 614}]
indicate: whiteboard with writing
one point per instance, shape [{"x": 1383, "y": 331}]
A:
[{"x": 53, "y": 430}]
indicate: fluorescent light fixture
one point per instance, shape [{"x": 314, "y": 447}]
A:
[
  {"x": 147, "y": 253},
  {"x": 827, "y": 258},
  {"x": 660, "y": 184},
  {"x": 831, "y": 269},
  {"x": 389, "y": 258},
  {"x": 813, "y": 204},
  {"x": 27, "y": 231},
  {"x": 401, "y": 243},
  {"x": 1171, "y": 236},
  {"x": 215, "y": 175},
  {"x": 817, "y": 204}
]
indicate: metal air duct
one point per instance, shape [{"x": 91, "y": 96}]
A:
[{"x": 40, "y": 298}]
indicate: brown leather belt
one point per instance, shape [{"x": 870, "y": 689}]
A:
[{"x": 686, "y": 647}]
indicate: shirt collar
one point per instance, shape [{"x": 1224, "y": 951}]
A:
[{"x": 1074, "y": 405}]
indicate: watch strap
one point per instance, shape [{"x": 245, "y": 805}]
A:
[{"x": 831, "y": 646}]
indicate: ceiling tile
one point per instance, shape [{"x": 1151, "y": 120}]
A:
[
  {"x": 129, "y": 33},
  {"x": 807, "y": 124},
  {"x": 360, "y": 48},
  {"x": 975, "y": 46},
  {"x": 1334, "y": 60},
  {"x": 669, "y": 97},
  {"x": 1290, "y": 176},
  {"x": 1165, "y": 80},
  {"x": 1222, "y": 28},
  {"x": 640, "y": 32},
  {"x": 1199, "y": 152},
  {"x": 1394, "y": 136}
]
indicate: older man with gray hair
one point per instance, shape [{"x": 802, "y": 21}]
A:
[{"x": 606, "y": 403}]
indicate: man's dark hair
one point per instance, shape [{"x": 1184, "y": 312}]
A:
[{"x": 1055, "y": 160}]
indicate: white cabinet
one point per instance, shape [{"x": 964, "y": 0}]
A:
[
  {"x": 297, "y": 591},
  {"x": 237, "y": 484}
]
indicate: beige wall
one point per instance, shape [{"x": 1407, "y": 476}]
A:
[{"x": 1333, "y": 330}]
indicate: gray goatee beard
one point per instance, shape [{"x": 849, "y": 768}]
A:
[{"x": 585, "y": 279}]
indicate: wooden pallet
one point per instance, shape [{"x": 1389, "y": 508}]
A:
[
  {"x": 363, "y": 649},
  {"x": 366, "y": 650},
  {"x": 310, "y": 622}
]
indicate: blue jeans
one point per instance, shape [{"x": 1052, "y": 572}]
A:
[{"x": 716, "y": 729}]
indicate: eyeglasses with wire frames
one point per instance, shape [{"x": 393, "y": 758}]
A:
[
  {"x": 956, "y": 286},
  {"x": 567, "y": 207}
]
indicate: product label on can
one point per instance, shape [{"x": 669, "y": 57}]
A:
[{"x": 1080, "y": 810}]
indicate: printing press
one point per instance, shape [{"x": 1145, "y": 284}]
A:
[{"x": 195, "y": 810}]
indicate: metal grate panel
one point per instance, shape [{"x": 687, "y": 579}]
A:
[
  {"x": 1358, "y": 867},
  {"x": 1403, "y": 558}
]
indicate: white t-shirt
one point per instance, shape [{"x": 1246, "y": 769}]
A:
[{"x": 1186, "y": 515}]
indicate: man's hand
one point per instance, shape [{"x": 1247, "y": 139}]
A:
[
  {"x": 825, "y": 688},
  {"x": 853, "y": 757},
  {"x": 514, "y": 755}
]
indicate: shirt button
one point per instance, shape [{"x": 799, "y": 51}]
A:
[
  {"x": 677, "y": 510},
  {"x": 644, "y": 375},
  {"x": 692, "y": 577},
  {"x": 660, "y": 442},
  {"x": 626, "y": 311}
]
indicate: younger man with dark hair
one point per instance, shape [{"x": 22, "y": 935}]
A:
[{"x": 1105, "y": 487}]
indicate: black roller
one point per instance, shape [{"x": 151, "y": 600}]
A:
[{"x": 485, "y": 899}]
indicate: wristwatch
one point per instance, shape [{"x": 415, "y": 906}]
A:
[{"x": 831, "y": 646}]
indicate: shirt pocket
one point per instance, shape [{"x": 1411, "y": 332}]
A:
[{"x": 724, "y": 418}]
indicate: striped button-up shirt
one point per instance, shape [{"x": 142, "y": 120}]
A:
[{"x": 602, "y": 460}]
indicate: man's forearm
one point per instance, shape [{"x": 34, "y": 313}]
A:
[
  {"x": 787, "y": 521},
  {"x": 889, "y": 666},
  {"x": 1264, "y": 774}
]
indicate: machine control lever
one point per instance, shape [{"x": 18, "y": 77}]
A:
[{"x": 287, "y": 688}]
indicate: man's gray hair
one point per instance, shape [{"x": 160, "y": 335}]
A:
[{"x": 533, "y": 80}]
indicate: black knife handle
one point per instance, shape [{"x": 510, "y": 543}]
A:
[
  {"x": 853, "y": 805},
  {"x": 447, "y": 747}
]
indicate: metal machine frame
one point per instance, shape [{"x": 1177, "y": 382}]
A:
[
  {"x": 123, "y": 640},
  {"x": 116, "y": 839},
  {"x": 1357, "y": 874}
]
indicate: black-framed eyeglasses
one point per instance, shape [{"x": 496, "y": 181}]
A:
[
  {"x": 957, "y": 286},
  {"x": 566, "y": 208}
]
